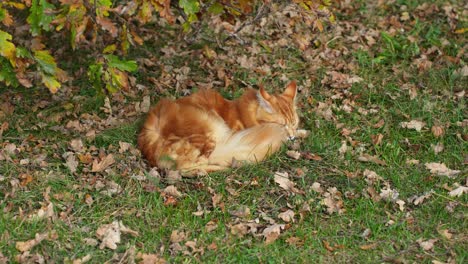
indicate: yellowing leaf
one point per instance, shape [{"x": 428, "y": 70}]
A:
[
  {"x": 16, "y": 5},
  {"x": 461, "y": 30},
  {"x": 145, "y": 12},
  {"x": 110, "y": 48},
  {"x": 50, "y": 82},
  {"x": 319, "y": 25},
  {"x": 7, "y": 49},
  {"x": 5, "y": 17},
  {"x": 46, "y": 61}
]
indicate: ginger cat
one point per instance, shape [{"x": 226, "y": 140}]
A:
[{"x": 204, "y": 132}]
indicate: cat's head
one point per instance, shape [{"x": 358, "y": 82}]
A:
[{"x": 279, "y": 108}]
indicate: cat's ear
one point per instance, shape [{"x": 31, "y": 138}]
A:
[
  {"x": 291, "y": 90},
  {"x": 263, "y": 98}
]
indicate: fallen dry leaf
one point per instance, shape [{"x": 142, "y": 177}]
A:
[
  {"x": 379, "y": 124},
  {"x": 242, "y": 212},
  {"x": 28, "y": 245},
  {"x": 316, "y": 187},
  {"x": 369, "y": 246},
  {"x": 282, "y": 179},
  {"x": 44, "y": 212},
  {"x": 170, "y": 200},
  {"x": 124, "y": 146},
  {"x": 439, "y": 147},
  {"x": 388, "y": 194},
  {"x": 373, "y": 194},
  {"x": 373, "y": 159},
  {"x": 413, "y": 124},
  {"x": 88, "y": 199},
  {"x": 441, "y": 169},
  {"x": 445, "y": 233},
  {"x": 109, "y": 234},
  {"x": 412, "y": 162},
  {"x": 377, "y": 139},
  {"x": 90, "y": 241},
  {"x": 240, "y": 229},
  {"x": 193, "y": 246},
  {"x": 344, "y": 148},
  {"x": 311, "y": 156},
  {"x": 26, "y": 178},
  {"x": 401, "y": 205},
  {"x": 287, "y": 216},
  {"x": 295, "y": 241},
  {"x": 212, "y": 246},
  {"x": 172, "y": 190},
  {"x": 103, "y": 164},
  {"x": 437, "y": 131},
  {"x": 366, "y": 233},
  {"x": 272, "y": 233},
  {"x": 428, "y": 244},
  {"x": 293, "y": 154},
  {"x": 173, "y": 176},
  {"x": 82, "y": 260},
  {"x": 27, "y": 257},
  {"x": 216, "y": 199},
  {"x": 458, "y": 191},
  {"x": 145, "y": 104},
  {"x": 211, "y": 226},
  {"x": 77, "y": 145},
  {"x": 71, "y": 162},
  {"x": 150, "y": 259},
  {"x": 327, "y": 246},
  {"x": 3, "y": 259},
  {"x": 178, "y": 236},
  {"x": 333, "y": 201},
  {"x": 417, "y": 200},
  {"x": 371, "y": 177}
]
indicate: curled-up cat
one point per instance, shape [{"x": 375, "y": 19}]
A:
[{"x": 204, "y": 132}]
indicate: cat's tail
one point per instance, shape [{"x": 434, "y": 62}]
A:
[{"x": 252, "y": 145}]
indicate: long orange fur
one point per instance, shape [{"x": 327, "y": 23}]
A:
[{"x": 204, "y": 132}]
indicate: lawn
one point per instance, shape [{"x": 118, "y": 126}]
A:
[{"x": 381, "y": 178}]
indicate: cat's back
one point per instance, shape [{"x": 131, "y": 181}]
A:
[{"x": 205, "y": 98}]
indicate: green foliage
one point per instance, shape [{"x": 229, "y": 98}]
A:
[
  {"x": 396, "y": 47},
  {"x": 7, "y": 49},
  {"x": 7, "y": 73},
  {"x": 38, "y": 18},
  {"x": 101, "y": 28},
  {"x": 115, "y": 62},
  {"x": 111, "y": 72}
]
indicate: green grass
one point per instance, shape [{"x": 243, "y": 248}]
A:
[{"x": 140, "y": 204}]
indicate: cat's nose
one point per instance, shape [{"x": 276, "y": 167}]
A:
[{"x": 291, "y": 138}]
